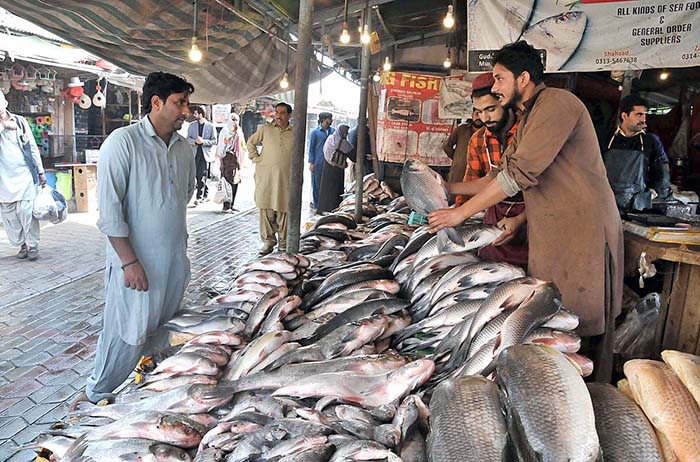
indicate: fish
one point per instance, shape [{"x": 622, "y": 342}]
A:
[
  {"x": 187, "y": 363},
  {"x": 345, "y": 278},
  {"x": 447, "y": 317},
  {"x": 560, "y": 35},
  {"x": 296, "y": 445},
  {"x": 622, "y": 427},
  {"x": 468, "y": 276},
  {"x": 363, "y": 450},
  {"x": 687, "y": 368},
  {"x": 472, "y": 238},
  {"x": 550, "y": 414},
  {"x": 425, "y": 192},
  {"x": 345, "y": 300},
  {"x": 492, "y": 25},
  {"x": 215, "y": 338},
  {"x": 278, "y": 312},
  {"x": 289, "y": 373},
  {"x": 262, "y": 308},
  {"x": 439, "y": 262},
  {"x": 275, "y": 265},
  {"x": 256, "y": 351},
  {"x": 669, "y": 406},
  {"x": 218, "y": 323},
  {"x": 274, "y": 356},
  {"x": 119, "y": 450},
  {"x": 480, "y": 292},
  {"x": 165, "y": 384},
  {"x": 467, "y": 422},
  {"x": 415, "y": 242},
  {"x": 261, "y": 277},
  {"x": 582, "y": 363},
  {"x": 240, "y": 294},
  {"x": 346, "y": 219},
  {"x": 368, "y": 391}
]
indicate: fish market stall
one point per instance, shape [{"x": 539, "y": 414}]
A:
[{"x": 677, "y": 252}]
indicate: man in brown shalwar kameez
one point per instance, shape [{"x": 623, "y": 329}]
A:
[{"x": 574, "y": 228}]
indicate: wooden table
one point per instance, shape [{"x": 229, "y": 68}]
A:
[{"x": 679, "y": 321}]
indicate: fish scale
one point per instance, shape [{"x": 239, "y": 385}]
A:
[
  {"x": 468, "y": 276},
  {"x": 467, "y": 423}
]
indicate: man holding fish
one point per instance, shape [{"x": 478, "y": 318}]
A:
[{"x": 574, "y": 230}]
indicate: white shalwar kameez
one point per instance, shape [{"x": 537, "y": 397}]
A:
[
  {"x": 143, "y": 188},
  {"x": 17, "y": 188}
]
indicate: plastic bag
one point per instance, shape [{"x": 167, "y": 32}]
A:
[
  {"x": 50, "y": 204},
  {"x": 222, "y": 192},
  {"x": 635, "y": 336}
]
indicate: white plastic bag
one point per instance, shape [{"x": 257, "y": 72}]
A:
[
  {"x": 50, "y": 204},
  {"x": 223, "y": 192}
]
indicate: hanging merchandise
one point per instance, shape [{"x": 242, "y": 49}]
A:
[
  {"x": 74, "y": 90},
  {"x": 85, "y": 102},
  {"x": 99, "y": 99}
]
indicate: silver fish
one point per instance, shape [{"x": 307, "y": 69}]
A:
[
  {"x": 560, "y": 35},
  {"x": 262, "y": 308},
  {"x": 255, "y": 352},
  {"x": 187, "y": 363},
  {"x": 468, "y": 276},
  {"x": 494, "y": 24},
  {"x": 278, "y": 312},
  {"x": 119, "y": 450}
]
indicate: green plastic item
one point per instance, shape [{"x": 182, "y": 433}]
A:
[
  {"x": 417, "y": 219},
  {"x": 64, "y": 183}
]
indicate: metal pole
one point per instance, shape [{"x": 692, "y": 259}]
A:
[
  {"x": 301, "y": 96},
  {"x": 362, "y": 121}
]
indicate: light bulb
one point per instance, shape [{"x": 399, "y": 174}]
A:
[
  {"x": 284, "y": 83},
  {"x": 345, "y": 36},
  {"x": 365, "y": 35},
  {"x": 376, "y": 77},
  {"x": 387, "y": 64},
  {"x": 663, "y": 75},
  {"x": 195, "y": 54},
  {"x": 449, "y": 20},
  {"x": 447, "y": 63}
]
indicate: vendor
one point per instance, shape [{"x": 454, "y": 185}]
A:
[
  {"x": 484, "y": 151},
  {"x": 574, "y": 230},
  {"x": 636, "y": 160}
]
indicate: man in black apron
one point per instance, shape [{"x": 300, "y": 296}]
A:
[{"x": 635, "y": 160}]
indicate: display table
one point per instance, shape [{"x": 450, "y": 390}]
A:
[{"x": 677, "y": 257}]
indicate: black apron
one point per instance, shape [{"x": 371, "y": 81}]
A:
[{"x": 627, "y": 173}]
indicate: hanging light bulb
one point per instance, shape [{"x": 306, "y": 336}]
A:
[
  {"x": 195, "y": 54},
  {"x": 376, "y": 77},
  {"x": 447, "y": 63},
  {"x": 664, "y": 75},
  {"x": 345, "y": 36},
  {"x": 365, "y": 35},
  {"x": 449, "y": 20},
  {"x": 387, "y": 64},
  {"x": 284, "y": 83}
]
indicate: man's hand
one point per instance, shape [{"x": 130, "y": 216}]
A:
[
  {"x": 135, "y": 277},
  {"x": 510, "y": 228},
  {"x": 445, "y": 218},
  {"x": 42, "y": 179},
  {"x": 311, "y": 168},
  {"x": 199, "y": 140}
]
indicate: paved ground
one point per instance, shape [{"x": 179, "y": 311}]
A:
[{"x": 51, "y": 309}]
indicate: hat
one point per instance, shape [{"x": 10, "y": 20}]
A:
[
  {"x": 75, "y": 82},
  {"x": 482, "y": 81}
]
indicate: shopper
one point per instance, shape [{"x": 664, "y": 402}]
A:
[
  {"x": 201, "y": 134},
  {"x": 21, "y": 171},
  {"x": 574, "y": 229},
  {"x": 335, "y": 152},
  {"x": 272, "y": 173},
  {"x": 317, "y": 139},
  {"x": 230, "y": 151},
  {"x": 145, "y": 178}
]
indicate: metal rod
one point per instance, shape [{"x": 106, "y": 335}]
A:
[
  {"x": 301, "y": 96},
  {"x": 194, "y": 20},
  {"x": 362, "y": 121}
]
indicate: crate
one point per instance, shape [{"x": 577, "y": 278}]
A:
[{"x": 84, "y": 176}]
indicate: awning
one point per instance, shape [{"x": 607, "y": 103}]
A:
[{"x": 142, "y": 36}]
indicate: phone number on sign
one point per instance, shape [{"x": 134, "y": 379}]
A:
[
  {"x": 626, "y": 60},
  {"x": 687, "y": 56}
]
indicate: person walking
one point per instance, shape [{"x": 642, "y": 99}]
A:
[
  {"x": 335, "y": 151},
  {"x": 230, "y": 152},
  {"x": 201, "y": 135},
  {"x": 318, "y": 138},
  {"x": 146, "y": 177},
  {"x": 272, "y": 174},
  {"x": 21, "y": 171}
]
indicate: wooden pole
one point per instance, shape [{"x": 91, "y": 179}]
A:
[
  {"x": 362, "y": 121},
  {"x": 301, "y": 97}
]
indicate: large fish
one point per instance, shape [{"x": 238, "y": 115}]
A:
[
  {"x": 550, "y": 413},
  {"x": 560, "y": 35},
  {"x": 623, "y": 428},
  {"x": 256, "y": 351},
  {"x": 494, "y": 24},
  {"x": 262, "y": 309},
  {"x": 668, "y": 405},
  {"x": 187, "y": 363},
  {"x": 687, "y": 368},
  {"x": 425, "y": 193},
  {"x": 467, "y": 422},
  {"x": 120, "y": 450},
  {"x": 345, "y": 278}
]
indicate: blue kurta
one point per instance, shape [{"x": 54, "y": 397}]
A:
[{"x": 316, "y": 141}]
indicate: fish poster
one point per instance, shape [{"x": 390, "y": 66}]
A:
[
  {"x": 455, "y": 99},
  {"x": 588, "y": 35},
  {"x": 409, "y": 125}
]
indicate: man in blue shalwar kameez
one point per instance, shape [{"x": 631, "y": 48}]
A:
[{"x": 316, "y": 141}]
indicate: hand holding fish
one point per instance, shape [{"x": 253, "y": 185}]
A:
[
  {"x": 446, "y": 218},
  {"x": 510, "y": 227}
]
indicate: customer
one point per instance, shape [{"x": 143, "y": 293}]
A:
[
  {"x": 230, "y": 152},
  {"x": 335, "y": 151},
  {"x": 318, "y": 137},
  {"x": 201, "y": 134},
  {"x": 272, "y": 173},
  {"x": 20, "y": 173},
  {"x": 145, "y": 179}
]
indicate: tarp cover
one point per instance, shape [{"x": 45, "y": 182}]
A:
[{"x": 142, "y": 36}]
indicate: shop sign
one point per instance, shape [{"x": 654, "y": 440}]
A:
[{"x": 588, "y": 35}]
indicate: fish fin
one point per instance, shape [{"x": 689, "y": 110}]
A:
[{"x": 76, "y": 450}]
